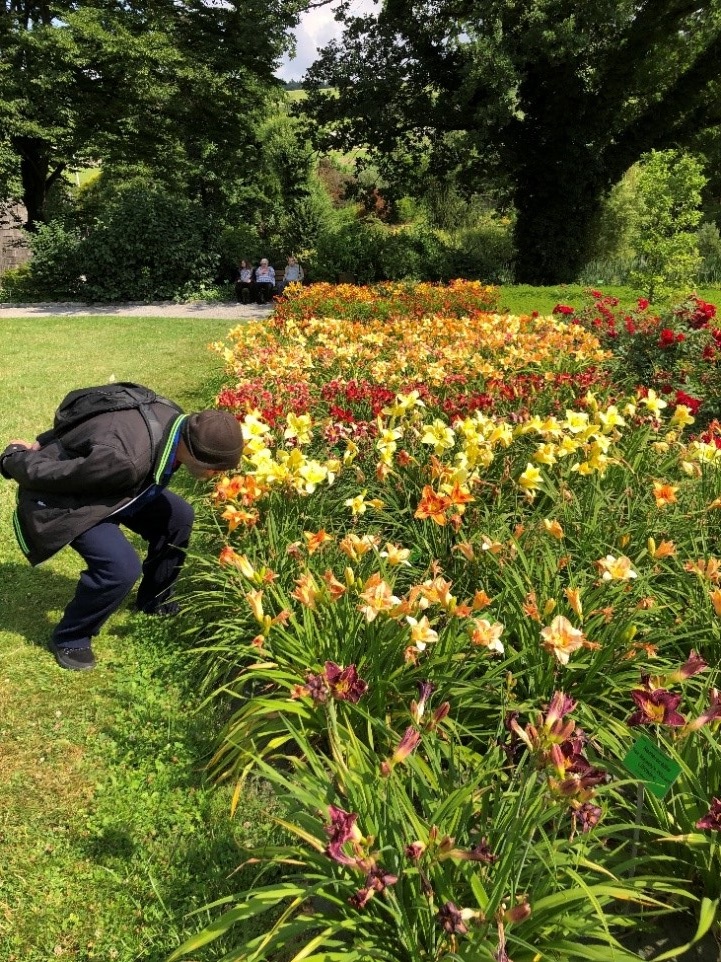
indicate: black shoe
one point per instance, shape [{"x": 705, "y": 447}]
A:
[
  {"x": 74, "y": 659},
  {"x": 166, "y": 609}
]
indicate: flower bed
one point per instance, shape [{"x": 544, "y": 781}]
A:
[{"x": 463, "y": 569}]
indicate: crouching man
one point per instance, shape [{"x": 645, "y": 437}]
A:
[{"x": 106, "y": 464}]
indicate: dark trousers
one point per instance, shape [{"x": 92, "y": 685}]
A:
[
  {"x": 264, "y": 292},
  {"x": 114, "y": 567},
  {"x": 245, "y": 289}
]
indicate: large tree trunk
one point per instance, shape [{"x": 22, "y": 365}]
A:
[
  {"x": 561, "y": 177},
  {"x": 556, "y": 206},
  {"x": 36, "y": 177}
]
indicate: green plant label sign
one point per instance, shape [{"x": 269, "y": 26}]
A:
[{"x": 652, "y": 765}]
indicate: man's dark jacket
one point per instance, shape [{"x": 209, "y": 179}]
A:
[{"x": 77, "y": 480}]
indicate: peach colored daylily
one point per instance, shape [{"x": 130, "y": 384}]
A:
[
  {"x": 480, "y": 601},
  {"x": 378, "y": 598},
  {"x": 553, "y": 528},
  {"x": 307, "y": 591},
  {"x": 395, "y": 554},
  {"x": 421, "y": 632},
  {"x": 666, "y": 549},
  {"x": 485, "y": 634},
  {"x": 335, "y": 588},
  {"x": 561, "y": 639}
]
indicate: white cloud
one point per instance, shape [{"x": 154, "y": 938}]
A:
[{"x": 316, "y": 29}]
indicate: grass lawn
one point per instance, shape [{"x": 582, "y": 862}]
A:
[
  {"x": 522, "y": 298},
  {"x": 109, "y": 835}
]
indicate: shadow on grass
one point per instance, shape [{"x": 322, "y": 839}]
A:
[{"x": 27, "y": 597}]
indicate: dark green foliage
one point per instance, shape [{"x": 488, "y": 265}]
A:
[
  {"x": 557, "y": 100},
  {"x": 145, "y": 244},
  {"x": 177, "y": 89},
  {"x": 368, "y": 251}
]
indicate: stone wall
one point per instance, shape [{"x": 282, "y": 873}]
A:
[{"x": 13, "y": 246}]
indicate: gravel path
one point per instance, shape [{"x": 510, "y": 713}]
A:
[{"x": 225, "y": 312}]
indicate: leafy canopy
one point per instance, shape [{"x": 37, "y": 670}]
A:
[{"x": 560, "y": 97}]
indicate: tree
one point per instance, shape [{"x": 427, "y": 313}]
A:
[
  {"x": 174, "y": 87},
  {"x": 669, "y": 185},
  {"x": 562, "y": 97}
]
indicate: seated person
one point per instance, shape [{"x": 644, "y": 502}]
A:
[
  {"x": 245, "y": 282},
  {"x": 292, "y": 273},
  {"x": 264, "y": 281}
]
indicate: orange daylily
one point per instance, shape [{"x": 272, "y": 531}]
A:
[
  {"x": 432, "y": 505},
  {"x": 315, "y": 540}
]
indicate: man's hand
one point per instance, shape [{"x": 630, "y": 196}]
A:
[{"x": 34, "y": 446}]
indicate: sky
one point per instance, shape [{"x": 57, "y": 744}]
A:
[{"x": 317, "y": 27}]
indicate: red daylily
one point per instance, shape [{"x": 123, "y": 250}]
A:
[
  {"x": 712, "y": 819},
  {"x": 656, "y": 708}
]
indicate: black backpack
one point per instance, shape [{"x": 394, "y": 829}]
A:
[{"x": 88, "y": 402}]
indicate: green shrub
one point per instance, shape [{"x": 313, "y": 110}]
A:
[
  {"x": 670, "y": 185},
  {"x": 147, "y": 244},
  {"x": 14, "y": 284},
  {"x": 709, "y": 248},
  {"x": 55, "y": 269}
]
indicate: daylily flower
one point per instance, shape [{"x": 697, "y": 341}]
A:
[
  {"x": 573, "y": 596},
  {"x": 255, "y": 600},
  {"x": 715, "y": 595},
  {"x": 415, "y": 850},
  {"x": 692, "y": 666},
  {"x": 451, "y": 919},
  {"x": 407, "y": 745},
  {"x": 584, "y": 817},
  {"x": 425, "y": 689},
  {"x": 530, "y": 481},
  {"x": 344, "y": 683},
  {"x": 377, "y": 880},
  {"x": 228, "y": 557},
  {"x": 466, "y": 549},
  {"x": 378, "y": 598},
  {"x": 553, "y": 528},
  {"x": 432, "y": 505},
  {"x": 299, "y": 426},
  {"x": 666, "y": 549},
  {"x": 480, "y": 601},
  {"x": 484, "y": 634},
  {"x": 439, "y": 435},
  {"x": 664, "y": 494},
  {"x": 307, "y": 591},
  {"x": 480, "y": 852},
  {"x": 342, "y": 829},
  {"x": 616, "y": 569},
  {"x": 708, "y": 570},
  {"x": 653, "y": 403},
  {"x": 315, "y": 540},
  {"x": 336, "y": 589},
  {"x": 355, "y": 546},
  {"x": 712, "y": 819},
  {"x": 656, "y": 707},
  {"x": 421, "y": 632},
  {"x": 712, "y": 713},
  {"x": 395, "y": 554},
  {"x": 237, "y": 516},
  {"x": 561, "y": 639},
  {"x": 682, "y": 416}
]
